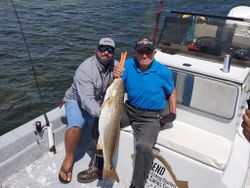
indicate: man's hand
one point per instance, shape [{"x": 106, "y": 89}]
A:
[
  {"x": 167, "y": 118},
  {"x": 118, "y": 70}
]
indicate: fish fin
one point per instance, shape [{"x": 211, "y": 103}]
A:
[
  {"x": 98, "y": 147},
  {"x": 99, "y": 144},
  {"x": 110, "y": 173},
  {"x": 117, "y": 142}
]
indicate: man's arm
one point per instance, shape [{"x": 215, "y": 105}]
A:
[
  {"x": 172, "y": 109},
  {"x": 86, "y": 92},
  {"x": 172, "y": 102},
  {"x": 246, "y": 124}
]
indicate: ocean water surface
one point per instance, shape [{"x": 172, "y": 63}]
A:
[{"x": 61, "y": 34}]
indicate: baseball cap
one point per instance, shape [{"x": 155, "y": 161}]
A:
[
  {"x": 144, "y": 43},
  {"x": 107, "y": 42}
]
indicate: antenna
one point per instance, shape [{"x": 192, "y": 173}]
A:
[{"x": 155, "y": 30}]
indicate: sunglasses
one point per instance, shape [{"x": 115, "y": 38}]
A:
[
  {"x": 146, "y": 51},
  {"x": 110, "y": 50}
]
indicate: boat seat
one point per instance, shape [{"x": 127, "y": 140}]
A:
[
  {"x": 195, "y": 143},
  {"x": 205, "y": 30},
  {"x": 198, "y": 144}
]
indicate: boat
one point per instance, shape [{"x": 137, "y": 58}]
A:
[{"x": 204, "y": 147}]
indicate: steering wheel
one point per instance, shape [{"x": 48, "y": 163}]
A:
[{"x": 208, "y": 45}]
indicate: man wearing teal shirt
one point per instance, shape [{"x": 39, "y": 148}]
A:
[
  {"x": 148, "y": 84},
  {"x": 147, "y": 89}
]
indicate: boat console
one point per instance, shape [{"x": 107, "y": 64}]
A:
[{"x": 206, "y": 36}]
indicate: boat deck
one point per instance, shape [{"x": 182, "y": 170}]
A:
[{"x": 44, "y": 173}]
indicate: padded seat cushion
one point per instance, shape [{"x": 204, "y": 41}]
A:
[
  {"x": 201, "y": 145},
  {"x": 196, "y": 143}
]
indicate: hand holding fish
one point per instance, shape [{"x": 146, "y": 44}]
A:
[{"x": 118, "y": 70}]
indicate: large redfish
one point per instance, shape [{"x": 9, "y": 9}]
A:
[{"x": 109, "y": 125}]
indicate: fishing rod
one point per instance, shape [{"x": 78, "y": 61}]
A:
[
  {"x": 39, "y": 128},
  {"x": 155, "y": 30}
]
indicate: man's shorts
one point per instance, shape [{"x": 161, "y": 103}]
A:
[{"x": 76, "y": 116}]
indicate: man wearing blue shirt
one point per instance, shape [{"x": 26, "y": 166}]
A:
[
  {"x": 148, "y": 84},
  {"x": 146, "y": 88}
]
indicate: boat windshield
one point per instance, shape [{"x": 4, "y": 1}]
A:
[{"x": 209, "y": 37}]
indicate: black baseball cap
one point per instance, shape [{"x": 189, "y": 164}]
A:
[{"x": 144, "y": 43}]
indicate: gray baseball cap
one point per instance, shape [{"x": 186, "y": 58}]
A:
[{"x": 107, "y": 42}]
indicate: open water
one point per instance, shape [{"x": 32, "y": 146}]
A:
[{"x": 60, "y": 35}]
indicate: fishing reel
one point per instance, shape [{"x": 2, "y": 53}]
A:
[{"x": 40, "y": 129}]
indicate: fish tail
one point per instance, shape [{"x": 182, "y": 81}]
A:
[{"x": 110, "y": 173}]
